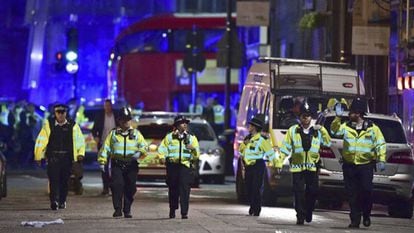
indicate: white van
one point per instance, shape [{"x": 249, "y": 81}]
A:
[{"x": 277, "y": 87}]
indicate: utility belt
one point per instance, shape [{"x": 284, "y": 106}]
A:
[
  {"x": 123, "y": 164},
  {"x": 58, "y": 154}
]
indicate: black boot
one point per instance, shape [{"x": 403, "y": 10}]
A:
[
  {"x": 54, "y": 205},
  {"x": 366, "y": 221},
  {"x": 127, "y": 215},
  {"x": 117, "y": 213},
  {"x": 308, "y": 217},
  {"x": 172, "y": 213}
]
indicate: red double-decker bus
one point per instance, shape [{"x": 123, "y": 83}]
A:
[{"x": 146, "y": 65}]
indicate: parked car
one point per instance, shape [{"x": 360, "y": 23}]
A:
[
  {"x": 392, "y": 187},
  {"x": 155, "y": 125},
  {"x": 3, "y": 174}
]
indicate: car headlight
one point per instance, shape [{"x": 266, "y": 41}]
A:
[{"x": 216, "y": 152}]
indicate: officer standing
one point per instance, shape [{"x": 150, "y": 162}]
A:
[
  {"x": 180, "y": 150},
  {"x": 364, "y": 150},
  {"x": 124, "y": 145},
  {"x": 254, "y": 150},
  {"x": 302, "y": 142},
  {"x": 60, "y": 142}
]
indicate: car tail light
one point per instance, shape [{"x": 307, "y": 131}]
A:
[
  {"x": 326, "y": 152},
  {"x": 403, "y": 157}
]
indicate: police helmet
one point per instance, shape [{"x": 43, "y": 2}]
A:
[
  {"x": 125, "y": 114},
  {"x": 358, "y": 105},
  {"x": 180, "y": 119},
  {"x": 60, "y": 107},
  {"x": 257, "y": 121},
  {"x": 307, "y": 108}
]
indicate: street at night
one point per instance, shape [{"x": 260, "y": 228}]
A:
[{"x": 213, "y": 208}]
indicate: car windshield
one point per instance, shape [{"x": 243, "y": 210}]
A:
[
  {"x": 392, "y": 130},
  {"x": 155, "y": 131},
  {"x": 203, "y": 132}
]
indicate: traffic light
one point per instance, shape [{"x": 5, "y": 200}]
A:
[
  {"x": 60, "y": 62},
  {"x": 71, "y": 55},
  {"x": 194, "y": 60}
]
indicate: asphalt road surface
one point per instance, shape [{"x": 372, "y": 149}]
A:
[{"x": 213, "y": 208}]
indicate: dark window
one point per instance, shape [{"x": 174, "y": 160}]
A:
[
  {"x": 392, "y": 130},
  {"x": 155, "y": 131},
  {"x": 202, "y": 131}
]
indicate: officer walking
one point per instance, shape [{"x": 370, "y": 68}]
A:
[
  {"x": 124, "y": 145},
  {"x": 302, "y": 142},
  {"x": 364, "y": 150},
  {"x": 254, "y": 150},
  {"x": 180, "y": 150},
  {"x": 60, "y": 142}
]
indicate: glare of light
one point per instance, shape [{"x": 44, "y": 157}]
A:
[
  {"x": 71, "y": 56},
  {"x": 400, "y": 83},
  {"x": 119, "y": 58},
  {"x": 164, "y": 35},
  {"x": 72, "y": 67},
  {"x": 33, "y": 84},
  {"x": 36, "y": 56},
  {"x": 412, "y": 82},
  {"x": 109, "y": 63},
  {"x": 112, "y": 56},
  {"x": 407, "y": 82}
]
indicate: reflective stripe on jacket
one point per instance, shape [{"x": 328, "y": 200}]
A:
[
  {"x": 292, "y": 144},
  {"x": 218, "y": 114},
  {"x": 257, "y": 148},
  {"x": 118, "y": 146},
  {"x": 43, "y": 139},
  {"x": 170, "y": 148},
  {"x": 362, "y": 147}
]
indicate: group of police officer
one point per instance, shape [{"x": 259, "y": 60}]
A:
[
  {"x": 363, "y": 151},
  {"x": 60, "y": 143}
]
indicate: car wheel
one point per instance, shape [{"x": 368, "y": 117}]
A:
[
  {"x": 269, "y": 197},
  {"x": 240, "y": 185},
  {"x": 401, "y": 209}
]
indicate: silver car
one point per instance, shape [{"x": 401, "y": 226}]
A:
[
  {"x": 155, "y": 125},
  {"x": 392, "y": 187}
]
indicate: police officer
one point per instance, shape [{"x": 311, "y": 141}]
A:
[
  {"x": 302, "y": 142},
  {"x": 180, "y": 150},
  {"x": 60, "y": 142},
  {"x": 124, "y": 145},
  {"x": 364, "y": 150},
  {"x": 254, "y": 150}
]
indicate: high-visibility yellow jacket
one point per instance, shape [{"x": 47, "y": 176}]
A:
[
  {"x": 292, "y": 145},
  {"x": 257, "y": 147},
  {"x": 218, "y": 114},
  {"x": 43, "y": 139},
  {"x": 198, "y": 109},
  {"x": 122, "y": 145},
  {"x": 362, "y": 147},
  {"x": 171, "y": 148}
]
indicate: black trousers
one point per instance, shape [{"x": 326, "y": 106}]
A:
[
  {"x": 179, "y": 178},
  {"x": 254, "y": 182},
  {"x": 58, "y": 170},
  {"x": 124, "y": 178},
  {"x": 358, "y": 185},
  {"x": 305, "y": 189}
]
